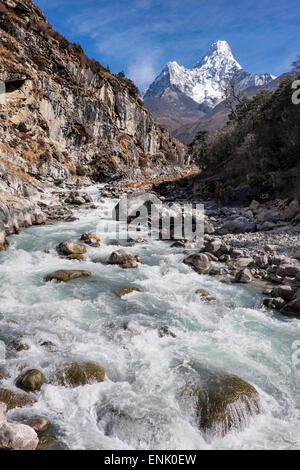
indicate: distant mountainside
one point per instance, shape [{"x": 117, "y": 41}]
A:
[
  {"x": 174, "y": 108},
  {"x": 218, "y": 116},
  {"x": 256, "y": 155},
  {"x": 181, "y": 97}
]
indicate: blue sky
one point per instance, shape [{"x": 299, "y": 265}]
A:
[{"x": 141, "y": 36}]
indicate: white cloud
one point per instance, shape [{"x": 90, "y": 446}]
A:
[{"x": 142, "y": 72}]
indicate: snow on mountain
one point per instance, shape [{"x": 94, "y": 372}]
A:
[{"x": 205, "y": 82}]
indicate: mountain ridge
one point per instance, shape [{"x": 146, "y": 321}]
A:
[{"x": 204, "y": 83}]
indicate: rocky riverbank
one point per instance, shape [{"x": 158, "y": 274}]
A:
[
  {"x": 20, "y": 209},
  {"x": 260, "y": 243}
]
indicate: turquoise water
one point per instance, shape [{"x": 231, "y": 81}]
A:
[{"x": 138, "y": 405}]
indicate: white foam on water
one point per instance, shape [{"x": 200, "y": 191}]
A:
[{"x": 138, "y": 406}]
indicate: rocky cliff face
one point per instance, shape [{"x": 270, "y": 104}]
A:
[{"x": 63, "y": 115}]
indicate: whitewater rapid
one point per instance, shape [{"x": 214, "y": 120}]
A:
[{"x": 138, "y": 405}]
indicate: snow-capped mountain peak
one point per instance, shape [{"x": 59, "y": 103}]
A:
[
  {"x": 205, "y": 82},
  {"x": 221, "y": 47}
]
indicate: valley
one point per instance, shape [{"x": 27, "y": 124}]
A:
[{"x": 133, "y": 342}]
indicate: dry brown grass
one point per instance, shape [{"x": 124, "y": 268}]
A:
[
  {"x": 69, "y": 166},
  {"x": 124, "y": 145}
]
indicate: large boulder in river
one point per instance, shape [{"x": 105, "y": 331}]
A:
[
  {"x": 123, "y": 258},
  {"x": 288, "y": 270},
  {"x": 48, "y": 443},
  {"x": 39, "y": 424},
  {"x": 261, "y": 260},
  {"x": 71, "y": 248},
  {"x": 126, "y": 290},
  {"x": 208, "y": 228},
  {"x": 90, "y": 239},
  {"x": 19, "y": 345},
  {"x": 15, "y": 436},
  {"x": 30, "y": 380},
  {"x": 15, "y": 400},
  {"x": 65, "y": 275},
  {"x": 225, "y": 403},
  {"x": 243, "y": 276},
  {"x": 284, "y": 291},
  {"x": 199, "y": 262},
  {"x": 292, "y": 309},
  {"x": 79, "y": 373},
  {"x": 297, "y": 255}
]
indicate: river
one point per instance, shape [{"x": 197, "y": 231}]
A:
[{"x": 138, "y": 405}]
